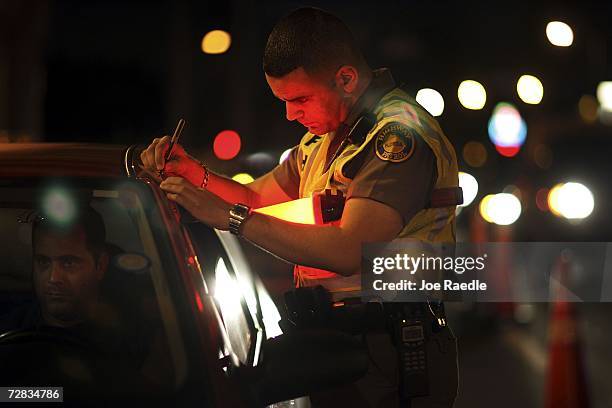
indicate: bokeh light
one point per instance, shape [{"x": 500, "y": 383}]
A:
[
  {"x": 587, "y": 107},
  {"x": 472, "y": 94},
  {"x": 571, "y": 200},
  {"x": 284, "y": 156},
  {"x": 542, "y": 199},
  {"x": 543, "y": 156},
  {"x": 507, "y": 129},
  {"x": 475, "y": 154},
  {"x": 59, "y": 206},
  {"x": 604, "y": 95},
  {"x": 559, "y": 34},
  {"x": 216, "y": 42},
  {"x": 469, "y": 185},
  {"x": 243, "y": 178},
  {"x": 530, "y": 89},
  {"x": 484, "y": 206},
  {"x": 500, "y": 209},
  {"x": 431, "y": 100},
  {"x": 227, "y": 144}
]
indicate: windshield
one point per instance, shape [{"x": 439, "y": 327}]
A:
[{"x": 83, "y": 295}]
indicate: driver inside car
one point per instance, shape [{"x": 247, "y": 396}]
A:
[{"x": 69, "y": 261}]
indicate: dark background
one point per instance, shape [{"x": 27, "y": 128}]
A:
[{"x": 123, "y": 72}]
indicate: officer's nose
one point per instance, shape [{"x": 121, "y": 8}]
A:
[{"x": 293, "y": 112}]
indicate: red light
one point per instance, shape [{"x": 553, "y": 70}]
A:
[
  {"x": 508, "y": 151},
  {"x": 227, "y": 144},
  {"x": 542, "y": 199},
  {"x": 199, "y": 301}
]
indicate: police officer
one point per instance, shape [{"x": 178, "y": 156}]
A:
[{"x": 368, "y": 142}]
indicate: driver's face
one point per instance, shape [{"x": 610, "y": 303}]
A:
[{"x": 66, "y": 276}]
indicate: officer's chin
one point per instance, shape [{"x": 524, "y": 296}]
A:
[{"x": 317, "y": 130}]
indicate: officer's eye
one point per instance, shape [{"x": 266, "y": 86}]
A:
[{"x": 302, "y": 99}]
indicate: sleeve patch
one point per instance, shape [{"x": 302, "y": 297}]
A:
[{"x": 395, "y": 143}]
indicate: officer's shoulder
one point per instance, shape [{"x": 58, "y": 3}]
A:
[
  {"x": 396, "y": 141},
  {"x": 398, "y": 106}
]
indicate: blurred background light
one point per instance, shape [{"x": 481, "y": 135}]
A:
[
  {"x": 227, "y": 144},
  {"x": 530, "y": 89},
  {"x": 475, "y": 154},
  {"x": 542, "y": 199},
  {"x": 261, "y": 162},
  {"x": 484, "y": 206},
  {"x": 472, "y": 95},
  {"x": 431, "y": 100},
  {"x": 571, "y": 200},
  {"x": 587, "y": 107},
  {"x": 507, "y": 129},
  {"x": 559, "y": 34},
  {"x": 500, "y": 209},
  {"x": 470, "y": 188},
  {"x": 243, "y": 178},
  {"x": 284, "y": 155},
  {"x": 216, "y": 42},
  {"x": 604, "y": 95},
  {"x": 542, "y": 156},
  {"x": 514, "y": 190},
  {"x": 59, "y": 206}
]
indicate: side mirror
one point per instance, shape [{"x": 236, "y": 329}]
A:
[{"x": 302, "y": 362}]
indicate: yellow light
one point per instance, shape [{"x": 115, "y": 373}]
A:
[
  {"x": 554, "y": 200},
  {"x": 469, "y": 185},
  {"x": 431, "y": 100},
  {"x": 587, "y": 107},
  {"x": 571, "y": 201},
  {"x": 472, "y": 95},
  {"x": 604, "y": 95},
  {"x": 484, "y": 208},
  {"x": 500, "y": 209},
  {"x": 474, "y": 154},
  {"x": 559, "y": 34},
  {"x": 530, "y": 89},
  {"x": 243, "y": 178},
  {"x": 300, "y": 211},
  {"x": 216, "y": 42}
]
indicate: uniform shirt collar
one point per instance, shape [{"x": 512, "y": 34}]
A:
[{"x": 382, "y": 83}]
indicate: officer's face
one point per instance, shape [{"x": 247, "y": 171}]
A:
[
  {"x": 316, "y": 102},
  {"x": 66, "y": 276}
]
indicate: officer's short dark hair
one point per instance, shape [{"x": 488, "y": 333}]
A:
[
  {"x": 86, "y": 218},
  {"x": 312, "y": 39}
]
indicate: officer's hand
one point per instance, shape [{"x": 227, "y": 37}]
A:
[
  {"x": 180, "y": 163},
  {"x": 204, "y": 205}
]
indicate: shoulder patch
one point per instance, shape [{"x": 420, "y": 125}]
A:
[{"x": 395, "y": 143}]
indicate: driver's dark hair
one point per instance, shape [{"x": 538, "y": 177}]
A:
[
  {"x": 312, "y": 39},
  {"x": 87, "y": 218}
]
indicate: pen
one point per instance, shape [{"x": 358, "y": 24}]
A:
[{"x": 175, "y": 137}]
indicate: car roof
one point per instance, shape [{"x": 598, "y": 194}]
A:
[{"x": 63, "y": 159}]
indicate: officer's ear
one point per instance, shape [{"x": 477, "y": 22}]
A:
[{"x": 347, "y": 78}]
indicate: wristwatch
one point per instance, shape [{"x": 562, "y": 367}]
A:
[{"x": 237, "y": 214}]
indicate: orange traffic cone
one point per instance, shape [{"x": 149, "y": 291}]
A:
[{"x": 566, "y": 385}]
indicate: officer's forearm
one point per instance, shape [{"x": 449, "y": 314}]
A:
[
  {"x": 323, "y": 247},
  {"x": 231, "y": 191},
  {"x": 228, "y": 189}
]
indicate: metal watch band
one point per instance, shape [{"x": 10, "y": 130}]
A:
[{"x": 237, "y": 214}]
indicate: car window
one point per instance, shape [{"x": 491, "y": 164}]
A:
[{"x": 78, "y": 306}]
